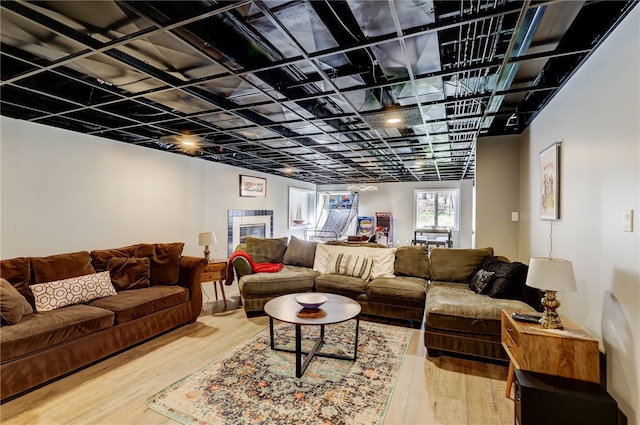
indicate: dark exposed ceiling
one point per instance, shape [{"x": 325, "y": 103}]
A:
[{"x": 299, "y": 88}]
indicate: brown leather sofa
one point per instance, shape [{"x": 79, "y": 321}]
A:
[{"x": 157, "y": 288}]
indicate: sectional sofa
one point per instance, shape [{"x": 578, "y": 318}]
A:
[
  {"x": 63, "y": 312},
  {"x": 458, "y": 292}
]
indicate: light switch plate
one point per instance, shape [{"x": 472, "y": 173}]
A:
[
  {"x": 628, "y": 220},
  {"x": 514, "y": 216}
]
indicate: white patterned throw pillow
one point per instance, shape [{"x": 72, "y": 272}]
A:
[
  {"x": 75, "y": 290},
  {"x": 352, "y": 265}
]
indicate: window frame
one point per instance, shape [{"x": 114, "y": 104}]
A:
[{"x": 456, "y": 224}]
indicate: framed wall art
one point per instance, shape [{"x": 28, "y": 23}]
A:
[
  {"x": 550, "y": 183},
  {"x": 253, "y": 187}
]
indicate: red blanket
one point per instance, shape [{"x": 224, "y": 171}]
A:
[{"x": 255, "y": 267}]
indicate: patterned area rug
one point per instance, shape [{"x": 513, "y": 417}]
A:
[{"x": 253, "y": 384}]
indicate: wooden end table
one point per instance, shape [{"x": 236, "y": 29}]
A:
[
  {"x": 571, "y": 353},
  {"x": 216, "y": 271},
  {"x": 337, "y": 309}
]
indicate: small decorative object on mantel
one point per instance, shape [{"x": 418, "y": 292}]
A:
[
  {"x": 205, "y": 239},
  {"x": 298, "y": 218},
  {"x": 551, "y": 275},
  {"x": 253, "y": 187}
]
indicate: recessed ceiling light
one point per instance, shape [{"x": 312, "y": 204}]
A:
[{"x": 393, "y": 120}]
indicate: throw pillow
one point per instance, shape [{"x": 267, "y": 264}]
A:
[
  {"x": 61, "y": 266},
  {"x": 266, "y": 250},
  {"x": 352, "y": 265},
  {"x": 165, "y": 261},
  {"x": 129, "y": 273},
  {"x": 383, "y": 258},
  {"x": 100, "y": 257},
  {"x": 412, "y": 261},
  {"x": 480, "y": 281},
  {"x": 509, "y": 279},
  {"x": 60, "y": 293},
  {"x": 13, "y": 306},
  {"x": 300, "y": 253},
  {"x": 18, "y": 271}
]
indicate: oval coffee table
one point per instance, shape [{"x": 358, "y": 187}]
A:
[{"x": 337, "y": 309}]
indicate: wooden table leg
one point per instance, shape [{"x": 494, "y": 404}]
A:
[
  {"x": 221, "y": 282},
  {"x": 509, "y": 380}
]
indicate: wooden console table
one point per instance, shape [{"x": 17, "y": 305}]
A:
[
  {"x": 571, "y": 353},
  {"x": 216, "y": 272}
]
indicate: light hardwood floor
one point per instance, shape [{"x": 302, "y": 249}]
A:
[{"x": 443, "y": 391}]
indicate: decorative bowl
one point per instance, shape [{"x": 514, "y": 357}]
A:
[{"x": 311, "y": 301}]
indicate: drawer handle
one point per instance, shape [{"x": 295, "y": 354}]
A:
[{"x": 510, "y": 330}]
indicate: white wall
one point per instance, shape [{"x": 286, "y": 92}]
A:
[
  {"x": 596, "y": 117},
  {"x": 64, "y": 191},
  {"x": 498, "y": 194},
  {"x": 398, "y": 198}
]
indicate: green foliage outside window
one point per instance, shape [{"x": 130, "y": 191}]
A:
[{"x": 436, "y": 208}]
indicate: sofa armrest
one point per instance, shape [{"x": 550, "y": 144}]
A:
[
  {"x": 191, "y": 269},
  {"x": 241, "y": 267}
]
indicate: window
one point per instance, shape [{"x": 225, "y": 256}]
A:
[{"x": 437, "y": 208}]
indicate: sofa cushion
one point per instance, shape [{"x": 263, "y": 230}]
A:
[
  {"x": 348, "y": 286},
  {"x": 383, "y": 258},
  {"x": 266, "y": 250},
  {"x": 18, "y": 272},
  {"x": 75, "y": 290},
  {"x": 289, "y": 279},
  {"x": 412, "y": 261},
  {"x": 134, "y": 303},
  {"x": 401, "y": 290},
  {"x": 61, "y": 266},
  {"x": 300, "y": 253},
  {"x": 129, "y": 273},
  {"x": 351, "y": 265},
  {"x": 13, "y": 306},
  {"x": 453, "y": 306},
  {"x": 455, "y": 264},
  {"x": 43, "y": 330},
  {"x": 165, "y": 261},
  {"x": 100, "y": 257}
]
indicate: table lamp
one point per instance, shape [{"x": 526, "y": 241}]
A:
[
  {"x": 551, "y": 275},
  {"x": 205, "y": 239}
]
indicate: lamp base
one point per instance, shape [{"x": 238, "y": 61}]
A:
[
  {"x": 550, "y": 318},
  {"x": 206, "y": 253}
]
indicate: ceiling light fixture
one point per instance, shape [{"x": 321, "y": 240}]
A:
[
  {"x": 363, "y": 188},
  {"x": 393, "y": 120}
]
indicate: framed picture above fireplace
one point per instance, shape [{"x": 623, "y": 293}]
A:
[{"x": 253, "y": 187}]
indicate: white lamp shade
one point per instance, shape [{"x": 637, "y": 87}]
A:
[
  {"x": 207, "y": 238},
  {"x": 552, "y": 274}
]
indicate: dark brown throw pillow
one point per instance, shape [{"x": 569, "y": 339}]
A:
[
  {"x": 481, "y": 280},
  {"x": 13, "y": 306},
  {"x": 61, "y": 266},
  {"x": 100, "y": 257},
  {"x": 129, "y": 273},
  {"x": 300, "y": 253},
  {"x": 18, "y": 272},
  {"x": 165, "y": 261},
  {"x": 266, "y": 250}
]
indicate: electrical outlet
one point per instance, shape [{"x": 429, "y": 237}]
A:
[{"x": 628, "y": 220}]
